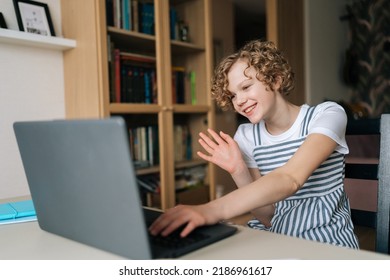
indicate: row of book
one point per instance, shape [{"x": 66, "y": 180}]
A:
[
  {"x": 138, "y": 16},
  {"x": 149, "y": 183},
  {"x": 183, "y": 142},
  {"x": 178, "y": 28},
  {"x": 144, "y": 147},
  {"x": 134, "y": 15},
  {"x": 185, "y": 178},
  {"x": 183, "y": 86},
  {"x": 190, "y": 177},
  {"x": 133, "y": 79}
]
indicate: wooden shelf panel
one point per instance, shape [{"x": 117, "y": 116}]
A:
[
  {"x": 146, "y": 42},
  {"x": 128, "y": 108},
  {"x": 33, "y": 40},
  {"x": 178, "y": 165},
  {"x": 183, "y": 108},
  {"x": 179, "y": 47},
  {"x": 193, "y": 56},
  {"x": 190, "y": 163},
  {"x": 147, "y": 171},
  {"x": 136, "y": 108},
  {"x": 139, "y": 41}
]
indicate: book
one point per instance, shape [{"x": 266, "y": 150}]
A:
[
  {"x": 178, "y": 85},
  {"x": 135, "y": 14},
  {"x": 110, "y": 12},
  {"x": 117, "y": 13},
  {"x": 183, "y": 143},
  {"x": 117, "y": 81},
  {"x": 193, "y": 87},
  {"x": 126, "y": 14},
  {"x": 146, "y": 12},
  {"x": 150, "y": 183},
  {"x": 19, "y": 211},
  {"x": 127, "y": 84},
  {"x": 135, "y": 57},
  {"x": 111, "y": 68},
  {"x": 148, "y": 90},
  {"x": 187, "y": 178},
  {"x": 172, "y": 23},
  {"x": 144, "y": 145},
  {"x": 138, "y": 81}
]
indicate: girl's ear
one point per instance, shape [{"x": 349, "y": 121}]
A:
[{"x": 278, "y": 83}]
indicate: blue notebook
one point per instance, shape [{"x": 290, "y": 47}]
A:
[{"x": 14, "y": 212}]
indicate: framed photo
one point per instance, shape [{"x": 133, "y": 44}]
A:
[
  {"x": 3, "y": 24},
  {"x": 34, "y": 17}
]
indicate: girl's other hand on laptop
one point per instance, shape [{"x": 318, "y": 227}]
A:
[{"x": 188, "y": 216}]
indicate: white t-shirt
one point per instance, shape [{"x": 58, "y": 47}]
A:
[{"x": 329, "y": 119}]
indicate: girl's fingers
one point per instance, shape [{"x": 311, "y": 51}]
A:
[
  {"x": 205, "y": 157},
  {"x": 188, "y": 229},
  {"x": 205, "y": 146},
  {"x": 226, "y": 137},
  {"x": 207, "y": 140},
  {"x": 215, "y": 136}
]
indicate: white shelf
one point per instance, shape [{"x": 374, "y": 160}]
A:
[{"x": 33, "y": 40}]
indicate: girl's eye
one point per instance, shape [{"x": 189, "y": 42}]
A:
[
  {"x": 233, "y": 96},
  {"x": 246, "y": 87}
]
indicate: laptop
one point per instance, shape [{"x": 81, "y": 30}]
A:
[{"x": 84, "y": 187}]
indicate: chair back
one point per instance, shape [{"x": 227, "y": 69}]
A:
[{"x": 379, "y": 171}]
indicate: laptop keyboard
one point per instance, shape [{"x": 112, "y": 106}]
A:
[{"x": 174, "y": 240}]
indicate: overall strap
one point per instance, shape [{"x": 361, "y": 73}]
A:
[
  {"x": 306, "y": 121},
  {"x": 256, "y": 134},
  {"x": 304, "y": 130}
]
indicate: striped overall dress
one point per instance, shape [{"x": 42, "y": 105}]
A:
[{"x": 320, "y": 210}]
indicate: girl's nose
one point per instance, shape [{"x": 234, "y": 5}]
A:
[{"x": 240, "y": 98}]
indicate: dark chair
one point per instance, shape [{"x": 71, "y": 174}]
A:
[{"x": 375, "y": 171}]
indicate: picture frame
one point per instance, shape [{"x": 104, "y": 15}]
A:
[
  {"x": 3, "y": 24},
  {"x": 34, "y": 17}
]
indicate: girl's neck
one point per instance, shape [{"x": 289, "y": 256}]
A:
[{"x": 284, "y": 117}]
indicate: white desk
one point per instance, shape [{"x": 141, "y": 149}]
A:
[{"x": 28, "y": 241}]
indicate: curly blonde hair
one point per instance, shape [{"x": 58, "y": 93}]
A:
[{"x": 265, "y": 58}]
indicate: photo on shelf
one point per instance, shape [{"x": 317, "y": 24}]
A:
[
  {"x": 34, "y": 17},
  {"x": 3, "y": 24}
]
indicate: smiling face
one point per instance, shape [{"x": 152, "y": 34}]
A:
[
  {"x": 265, "y": 59},
  {"x": 250, "y": 97}
]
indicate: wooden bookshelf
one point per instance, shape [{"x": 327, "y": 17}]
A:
[{"x": 88, "y": 83}]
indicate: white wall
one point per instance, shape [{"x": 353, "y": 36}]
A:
[
  {"x": 31, "y": 88},
  {"x": 325, "y": 44}
]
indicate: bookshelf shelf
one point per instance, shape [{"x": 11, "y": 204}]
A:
[
  {"x": 169, "y": 115},
  {"x": 184, "y": 47},
  {"x": 139, "y": 41},
  {"x": 33, "y": 40},
  {"x": 197, "y": 109},
  {"x": 125, "y": 108},
  {"x": 189, "y": 163},
  {"x": 148, "y": 171}
]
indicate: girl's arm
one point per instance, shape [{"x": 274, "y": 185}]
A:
[
  {"x": 267, "y": 190},
  {"x": 223, "y": 151},
  {"x": 280, "y": 183},
  {"x": 263, "y": 214}
]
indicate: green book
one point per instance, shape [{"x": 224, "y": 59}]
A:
[{"x": 193, "y": 87}]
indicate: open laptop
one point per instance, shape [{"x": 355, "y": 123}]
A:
[{"x": 83, "y": 186}]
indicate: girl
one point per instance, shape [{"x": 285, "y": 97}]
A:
[{"x": 288, "y": 162}]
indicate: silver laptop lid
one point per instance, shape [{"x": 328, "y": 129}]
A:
[{"x": 82, "y": 183}]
